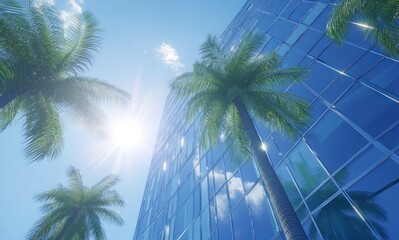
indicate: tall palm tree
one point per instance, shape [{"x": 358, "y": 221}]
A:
[
  {"x": 41, "y": 57},
  {"x": 379, "y": 18},
  {"x": 228, "y": 87},
  {"x": 75, "y": 212}
]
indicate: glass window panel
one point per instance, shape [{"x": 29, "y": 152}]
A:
[
  {"x": 320, "y": 77},
  {"x": 285, "y": 30},
  {"x": 284, "y": 143},
  {"x": 305, "y": 169},
  {"x": 225, "y": 231},
  {"x": 273, "y": 153},
  {"x": 284, "y": 48},
  {"x": 311, "y": 230},
  {"x": 308, "y": 39},
  {"x": 339, "y": 220},
  {"x": 301, "y": 91},
  {"x": 385, "y": 75},
  {"x": 391, "y": 139},
  {"x": 356, "y": 35},
  {"x": 231, "y": 167},
  {"x": 289, "y": 9},
  {"x": 288, "y": 185},
  {"x": 302, "y": 212},
  {"x": 320, "y": 46},
  {"x": 204, "y": 193},
  {"x": 222, "y": 204},
  {"x": 211, "y": 186},
  {"x": 321, "y": 22},
  {"x": 293, "y": 58},
  {"x": 264, "y": 223},
  {"x": 314, "y": 13},
  {"x": 197, "y": 229},
  {"x": 219, "y": 175},
  {"x": 241, "y": 222},
  {"x": 316, "y": 110},
  {"x": 296, "y": 34},
  {"x": 364, "y": 65},
  {"x": 249, "y": 174},
  {"x": 212, "y": 215},
  {"x": 276, "y": 26},
  {"x": 358, "y": 165},
  {"x": 236, "y": 189},
  {"x": 342, "y": 56},
  {"x": 380, "y": 113},
  {"x": 272, "y": 45},
  {"x": 337, "y": 88},
  {"x": 205, "y": 224},
  {"x": 326, "y": 191},
  {"x": 334, "y": 141},
  {"x": 301, "y": 11},
  {"x": 376, "y": 196},
  {"x": 262, "y": 130}
]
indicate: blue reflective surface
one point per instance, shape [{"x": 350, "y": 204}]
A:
[{"x": 341, "y": 173}]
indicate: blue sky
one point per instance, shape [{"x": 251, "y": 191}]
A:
[{"x": 145, "y": 44}]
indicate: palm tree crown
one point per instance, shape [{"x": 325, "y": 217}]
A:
[
  {"x": 75, "y": 212},
  {"x": 227, "y": 88},
  {"x": 41, "y": 57},
  {"x": 222, "y": 77},
  {"x": 378, "y": 18}
]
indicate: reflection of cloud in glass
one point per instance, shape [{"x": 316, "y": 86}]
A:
[
  {"x": 222, "y": 205},
  {"x": 236, "y": 189},
  {"x": 256, "y": 198}
]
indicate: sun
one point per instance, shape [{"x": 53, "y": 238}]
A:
[{"x": 126, "y": 133}]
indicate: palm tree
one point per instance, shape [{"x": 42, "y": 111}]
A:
[
  {"x": 228, "y": 87},
  {"x": 40, "y": 62},
  {"x": 75, "y": 212},
  {"x": 379, "y": 18}
]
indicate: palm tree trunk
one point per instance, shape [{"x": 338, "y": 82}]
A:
[
  {"x": 290, "y": 223},
  {"x": 8, "y": 96},
  {"x": 68, "y": 223}
]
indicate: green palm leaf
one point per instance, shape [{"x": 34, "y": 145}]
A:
[
  {"x": 41, "y": 56},
  {"x": 77, "y": 211}
]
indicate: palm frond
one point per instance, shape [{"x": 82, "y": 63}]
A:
[
  {"x": 6, "y": 74},
  {"x": 283, "y": 111},
  {"x": 43, "y": 130},
  {"x": 81, "y": 42},
  {"x": 8, "y": 113},
  {"x": 235, "y": 136},
  {"x": 95, "y": 226},
  {"x": 341, "y": 17},
  {"x": 109, "y": 215},
  {"x": 211, "y": 51}
]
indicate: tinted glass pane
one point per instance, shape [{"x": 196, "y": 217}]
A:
[
  {"x": 305, "y": 168},
  {"x": 364, "y": 65},
  {"x": 262, "y": 218},
  {"x": 241, "y": 222},
  {"x": 301, "y": 11},
  {"x": 391, "y": 139},
  {"x": 296, "y": 33},
  {"x": 249, "y": 174},
  {"x": 222, "y": 204},
  {"x": 376, "y": 196},
  {"x": 385, "y": 75},
  {"x": 358, "y": 165},
  {"x": 341, "y": 57},
  {"x": 236, "y": 189},
  {"x": 308, "y": 40},
  {"x": 273, "y": 152},
  {"x": 326, "y": 191},
  {"x": 288, "y": 185},
  {"x": 314, "y": 13},
  {"x": 225, "y": 231},
  {"x": 339, "y": 220},
  {"x": 334, "y": 141},
  {"x": 379, "y": 114},
  {"x": 320, "y": 77},
  {"x": 337, "y": 88}
]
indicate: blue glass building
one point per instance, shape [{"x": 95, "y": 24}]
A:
[{"x": 341, "y": 175}]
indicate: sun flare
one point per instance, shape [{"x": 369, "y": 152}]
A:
[{"x": 126, "y": 133}]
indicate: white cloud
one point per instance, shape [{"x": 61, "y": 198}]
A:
[
  {"x": 169, "y": 56},
  {"x": 75, "y": 7}
]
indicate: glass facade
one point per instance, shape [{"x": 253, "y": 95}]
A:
[{"x": 341, "y": 174}]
